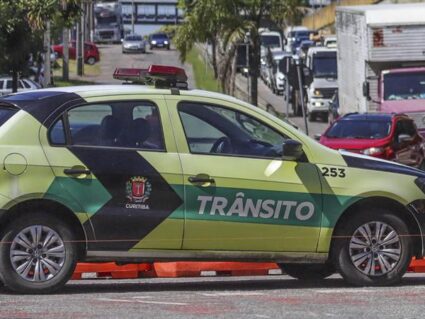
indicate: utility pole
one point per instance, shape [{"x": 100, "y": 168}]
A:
[
  {"x": 79, "y": 48},
  {"x": 132, "y": 16},
  {"x": 298, "y": 63},
  {"x": 47, "y": 65}
]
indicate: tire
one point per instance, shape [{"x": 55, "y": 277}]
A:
[
  {"x": 360, "y": 266},
  {"x": 56, "y": 269},
  {"x": 91, "y": 60},
  {"x": 308, "y": 271}
]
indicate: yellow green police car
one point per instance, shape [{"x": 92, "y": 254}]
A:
[{"x": 139, "y": 173}]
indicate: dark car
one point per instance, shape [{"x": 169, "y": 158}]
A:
[
  {"x": 388, "y": 136},
  {"x": 159, "y": 40},
  {"x": 91, "y": 52}
]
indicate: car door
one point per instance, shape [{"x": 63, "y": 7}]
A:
[
  {"x": 239, "y": 193},
  {"x": 116, "y": 163}
]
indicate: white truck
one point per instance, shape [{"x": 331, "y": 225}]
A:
[
  {"x": 381, "y": 59},
  {"x": 270, "y": 39},
  {"x": 322, "y": 63}
]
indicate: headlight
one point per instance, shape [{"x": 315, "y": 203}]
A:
[
  {"x": 373, "y": 151},
  {"x": 165, "y": 42},
  {"x": 317, "y": 93},
  {"x": 153, "y": 42},
  {"x": 281, "y": 77}
]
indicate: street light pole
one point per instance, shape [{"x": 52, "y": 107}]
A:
[
  {"x": 132, "y": 16},
  {"x": 300, "y": 87}
]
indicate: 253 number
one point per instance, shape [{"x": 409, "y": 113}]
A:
[{"x": 333, "y": 172}]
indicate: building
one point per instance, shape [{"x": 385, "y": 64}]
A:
[{"x": 149, "y": 15}]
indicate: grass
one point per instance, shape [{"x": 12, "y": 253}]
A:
[
  {"x": 203, "y": 72},
  {"x": 59, "y": 82},
  {"x": 89, "y": 70}
]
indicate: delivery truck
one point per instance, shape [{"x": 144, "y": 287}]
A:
[{"x": 381, "y": 59}]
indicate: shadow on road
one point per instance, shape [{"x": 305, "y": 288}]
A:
[{"x": 208, "y": 284}]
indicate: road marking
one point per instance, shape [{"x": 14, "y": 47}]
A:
[
  {"x": 226, "y": 294},
  {"x": 141, "y": 297},
  {"x": 262, "y": 316},
  {"x": 145, "y": 302},
  {"x": 347, "y": 290}
]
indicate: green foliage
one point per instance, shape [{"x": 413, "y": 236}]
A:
[
  {"x": 21, "y": 25},
  {"x": 203, "y": 73}
]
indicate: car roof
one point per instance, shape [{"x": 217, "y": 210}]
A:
[{"x": 369, "y": 116}]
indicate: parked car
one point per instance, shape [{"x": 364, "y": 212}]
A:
[
  {"x": 91, "y": 52},
  {"x": 389, "y": 136},
  {"x": 133, "y": 43},
  {"x": 23, "y": 85},
  {"x": 159, "y": 40}
]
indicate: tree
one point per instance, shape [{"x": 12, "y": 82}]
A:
[
  {"x": 21, "y": 25},
  {"x": 230, "y": 22}
]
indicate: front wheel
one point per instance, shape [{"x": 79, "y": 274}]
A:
[
  {"x": 39, "y": 254},
  {"x": 308, "y": 271},
  {"x": 91, "y": 60},
  {"x": 373, "y": 249}
]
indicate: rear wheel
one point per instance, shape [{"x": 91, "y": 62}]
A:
[
  {"x": 39, "y": 256},
  {"x": 308, "y": 271},
  {"x": 373, "y": 248}
]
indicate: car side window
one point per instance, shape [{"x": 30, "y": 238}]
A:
[
  {"x": 117, "y": 124},
  {"x": 404, "y": 127},
  {"x": 1, "y": 84},
  {"x": 147, "y": 116},
  {"x": 212, "y": 129},
  {"x": 86, "y": 124}
]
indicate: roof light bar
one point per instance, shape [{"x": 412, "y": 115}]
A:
[{"x": 161, "y": 76}]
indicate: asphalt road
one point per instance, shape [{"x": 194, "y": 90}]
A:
[{"x": 226, "y": 297}]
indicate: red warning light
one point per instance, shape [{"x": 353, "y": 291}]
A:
[{"x": 161, "y": 75}]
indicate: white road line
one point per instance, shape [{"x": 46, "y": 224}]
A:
[
  {"x": 145, "y": 302},
  {"x": 141, "y": 297},
  {"x": 348, "y": 290},
  {"x": 162, "y": 303},
  {"x": 262, "y": 316},
  {"x": 226, "y": 294}
]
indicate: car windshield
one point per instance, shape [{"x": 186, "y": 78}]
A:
[
  {"x": 325, "y": 66},
  {"x": 360, "y": 129},
  {"x": 404, "y": 86},
  {"x": 133, "y": 38},
  {"x": 270, "y": 41},
  {"x": 159, "y": 37}
]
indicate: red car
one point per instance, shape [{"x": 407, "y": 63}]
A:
[
  {"x": 389, "y": 136},
  {"x": 91, "y": 52}
]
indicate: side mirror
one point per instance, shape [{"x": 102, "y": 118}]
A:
[
  {"x": 405, "y": 138},
  {"x": 292, "y": 150},
  {"x": 317, "y": 137}
]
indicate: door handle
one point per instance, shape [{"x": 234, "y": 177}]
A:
[
  {"x": 77, "y": 171},
  {"x": 201, "y": 179}
]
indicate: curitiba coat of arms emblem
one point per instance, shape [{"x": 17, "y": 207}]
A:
[{"x": 138, "y": 189}]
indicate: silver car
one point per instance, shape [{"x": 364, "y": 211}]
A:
[
  {"x": 133, "y": 43},
  {"x": 23, "y": 85}
]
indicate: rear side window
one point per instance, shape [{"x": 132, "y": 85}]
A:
[{"x": 6, "y": 113}]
